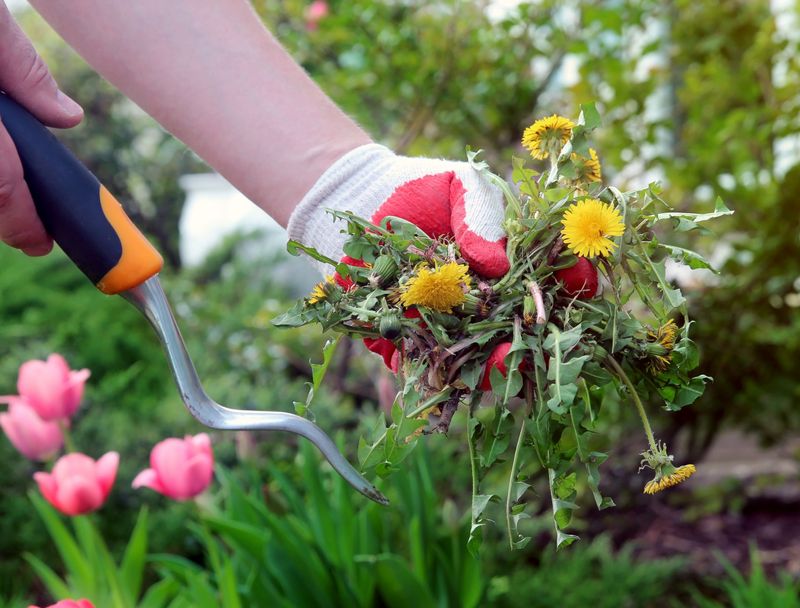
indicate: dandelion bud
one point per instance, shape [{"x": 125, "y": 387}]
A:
[
  {"x": 528, "y": 310},
  {"x": 383, "y": 270},
  {"x": 390, "y": 327},
  {"x": 473, "y": 305},
  {"x": 600, "y": 353}
]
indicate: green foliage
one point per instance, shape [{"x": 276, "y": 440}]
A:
[
  {"x": 429, "y": 77},
  {"x": 313, "y": 542},
  {"x": 752, "y": 591},
  {"x": 90, "y": 570},
  {"x": 588, "y": 575},
  {"x": 557, "y": 346},
  {"x": 704, "y": 99},
  {"x": 47, "y": 306}
]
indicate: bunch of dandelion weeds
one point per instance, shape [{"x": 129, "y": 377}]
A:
[{"x": 518, "y": 367}]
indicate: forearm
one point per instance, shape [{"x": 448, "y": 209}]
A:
[{"x": 214, "y": 77}]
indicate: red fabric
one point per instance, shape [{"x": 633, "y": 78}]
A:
[
  {"x": 384, "y": 348},
  {"x": 487, "y": 258},
  {"x": 347, "y": 283},
  {"x": 579, "y": 280},
  {"x": 496, "y": 359},
  {"x": 425, "y": 202},
  {"x": 434, "y": 203}
]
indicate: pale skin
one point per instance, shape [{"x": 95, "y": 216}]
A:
[{"x": 208, "y": 71}]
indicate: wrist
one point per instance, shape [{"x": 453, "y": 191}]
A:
[{"x": 342, "y": 186}]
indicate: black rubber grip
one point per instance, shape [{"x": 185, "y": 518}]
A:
[{"x": 66, "y": 193}]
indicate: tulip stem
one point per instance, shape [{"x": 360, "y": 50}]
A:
[{"x": 68, "y": 444}]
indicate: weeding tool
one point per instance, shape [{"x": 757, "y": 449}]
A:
[{"x": 93, "y": 230}]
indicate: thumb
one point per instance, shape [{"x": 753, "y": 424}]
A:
[
  {"x": 26, "y": 78},
  {"x": 476, "y": 218}
]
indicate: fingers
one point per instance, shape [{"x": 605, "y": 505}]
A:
[
  {"x": 20, "y": 226},
  {"x": 477, "y": 214},
  {"x": 26, "y": 78}
]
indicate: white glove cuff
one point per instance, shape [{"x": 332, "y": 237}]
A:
[{"x": 345, "y": 186}]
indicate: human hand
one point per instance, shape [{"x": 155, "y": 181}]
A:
[
  {"x": 25, "y": 77},
  {"x": 443, "y": 198}
]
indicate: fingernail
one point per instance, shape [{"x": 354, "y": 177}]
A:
[
  {"x": 39, "y": 249},
  {"x": 69, "y": 105}
]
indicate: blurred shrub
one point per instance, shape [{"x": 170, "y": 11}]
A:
[
  {"x": 754, "y": 590},
  {"x": 588, "y": 575},
  {"x": 47, "y": 306},
  {"x": 307, "y": 539}
]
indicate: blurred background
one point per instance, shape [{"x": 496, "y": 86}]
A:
[{"x": 701, "y": 95}]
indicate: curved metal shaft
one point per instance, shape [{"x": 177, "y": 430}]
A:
[{"x": 151, "y": 300}]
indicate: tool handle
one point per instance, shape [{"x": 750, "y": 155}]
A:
[{"x": 82, "y": 216}]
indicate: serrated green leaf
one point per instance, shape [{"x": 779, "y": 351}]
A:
[
  {"x": 589, "y": 116},
  {"x": 689, "y": 393},
  {"x": 691, "y": 258},
  {"x": 566, "y": 372},
  {"x": 720, "y": 210},
  {"x": 496, "y": 441},
  {"x": 296, "y": 248}
]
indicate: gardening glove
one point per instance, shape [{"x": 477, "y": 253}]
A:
[{"x": 443, "y": 198}]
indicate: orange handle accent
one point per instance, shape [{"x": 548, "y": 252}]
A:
[{"x": 139, "y": 260}]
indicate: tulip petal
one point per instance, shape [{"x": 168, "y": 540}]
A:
[
  {"x": 197, "y": 476},
  {"x": 73, "y": 391},
  {"x": 106, "y": 471},
  {"x": 182, "y": 468},
  {"x": 33, "y": 437},
  {"x": 202, "y": 442},
  {"x": 58, "y": 365},
  {"x": 148, "y": 479},
  {"x": 78, "y": 495},
  {"x": 74, "y": 464},
  {"x": 169, "y": 459},
  {"x": 47, "y": 486}
]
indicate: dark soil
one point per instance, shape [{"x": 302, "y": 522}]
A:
[{"x": 742, "y": 497}]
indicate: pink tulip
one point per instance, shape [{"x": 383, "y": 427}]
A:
[
  {"x": 51, "y": 387},
  {"x": 35, "y": 438},
  {"x": 180, "y": 468},
  {"x": 316, "y": 12},
  {"x": 78, "y": 484},
  {"x": 70, "y": 604}
]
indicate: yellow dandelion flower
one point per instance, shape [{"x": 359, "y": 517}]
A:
[
  {"x": 547, "y": 136},
  {"x": 587, "y": 226},
  {"x": 320, "y": 291},
  {"x": 664, "y": 337},
  {"x": 440, "y": 288},
  {"x": 588, "y": 169},
  {"x": 669, "y": 476}
]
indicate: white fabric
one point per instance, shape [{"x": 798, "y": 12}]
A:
[{"x": 364, "y": 178}]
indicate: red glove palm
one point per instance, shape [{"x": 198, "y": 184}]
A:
[{"x": 442, "y": 198}]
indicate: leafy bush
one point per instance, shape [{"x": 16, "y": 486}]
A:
[
  {"x": 313, "y": 542},
  {"x": 587, "y": 575},
  {"x": 754, "y": 590}
]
